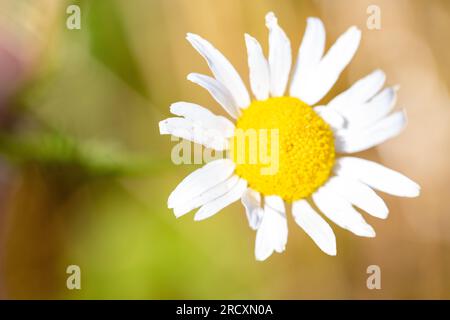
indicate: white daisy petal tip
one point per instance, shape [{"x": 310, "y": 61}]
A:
[
  {"x": 377, "y": 177},
  {"x": 258, "y": 68},
  {"x": 332, "y": 252},
  {"x": 271, "y": 19},
  {"x": 280, "y": 56},
  {"x": 310, "y": 54},
  {"x": 331, "y": 249},
  {"x": 205, "y": 134},
  {"x": 262, "y": 256},
  {"x": 384, "y": 215},
  {"x": 251, "y": 200},
  {"x": 163, "y": 127},
  {"x": 353, "y": 37},
  {"x": 355, "y": 30},
  {"x": 177, "y": 213},
  {"x": 192, "y": 37},
  {"x": 314, "y": 20},
  {"x": 198, "y": 217},
  {"x": 314, "y": 226},
  {"x": 192, "y": 77},
  {"x": 202, "y": 117},
  {"x": 255, "y": 218},
  {"x": 380, "y": 75},
  {"x": 272, "y": 233},
  {"x": 360, "y": 139},
  {"x": 369, "y": 232},
  {"x": 415, "y": 190},
  {"x": 379, "y": 72},
  {"x": 382, "y": 212},
  {"x": 249, "y": 38}
]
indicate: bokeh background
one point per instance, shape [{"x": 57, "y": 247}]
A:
[{"x": 84, "y": 173}]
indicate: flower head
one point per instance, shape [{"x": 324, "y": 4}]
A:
[{"x": 285, "y": 150}]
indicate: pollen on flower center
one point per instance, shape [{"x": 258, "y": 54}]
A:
[{"x": 282, "y": 147}]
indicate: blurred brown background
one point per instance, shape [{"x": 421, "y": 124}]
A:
[{"x": 84, "y": 173}]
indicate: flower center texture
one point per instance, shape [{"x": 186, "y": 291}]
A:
[{"x": 282, "y": 147}]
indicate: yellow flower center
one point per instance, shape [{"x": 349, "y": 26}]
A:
[{"x": 282, "y": 147}]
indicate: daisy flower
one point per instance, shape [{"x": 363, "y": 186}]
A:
[{"x": 314, "y": 176}]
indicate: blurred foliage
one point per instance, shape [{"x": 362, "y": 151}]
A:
[
  {"x": 110, "y": 45},
  {"x": 90, "y": 158}
]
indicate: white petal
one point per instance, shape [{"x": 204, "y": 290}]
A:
[
  {"x": 330, "y": 67},
  {"x": 359, "y": 195},
  {"x": 206, "y": 197},
  {"x": 195, "y": 132},
  {"x": 222, "y": 69},
  {"x": 251, "y": 200},
  {"x": 218, "y": 204},
  {"x": 341, "y": 212},
  {"x": 309, "y": 55},
  {"x": 272, "y": 233},
  {"x": 280, "y": 58},
  {"x": 377, "y": 176},
  {"x": 219, "y": 92},
  {"x": 330, "y": 116},
  {"x": 337, "y": 58},
  {"x": 201, "y": 180},
  {"x": 201, "y": 115},
  {"x": 259, "y": 68},
  {"x": 363, "y": 115},
  {"x": 355, "y": 140},
  {"x": 360, "y": 92},
  {"x": 315, "y": 226}
]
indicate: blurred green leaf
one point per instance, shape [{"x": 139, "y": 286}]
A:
[
  {"x": 90, "y": 158},
  {"x": 109, "y": 43}
]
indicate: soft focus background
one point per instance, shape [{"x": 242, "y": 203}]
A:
[{"x": 84, "y": 173}]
